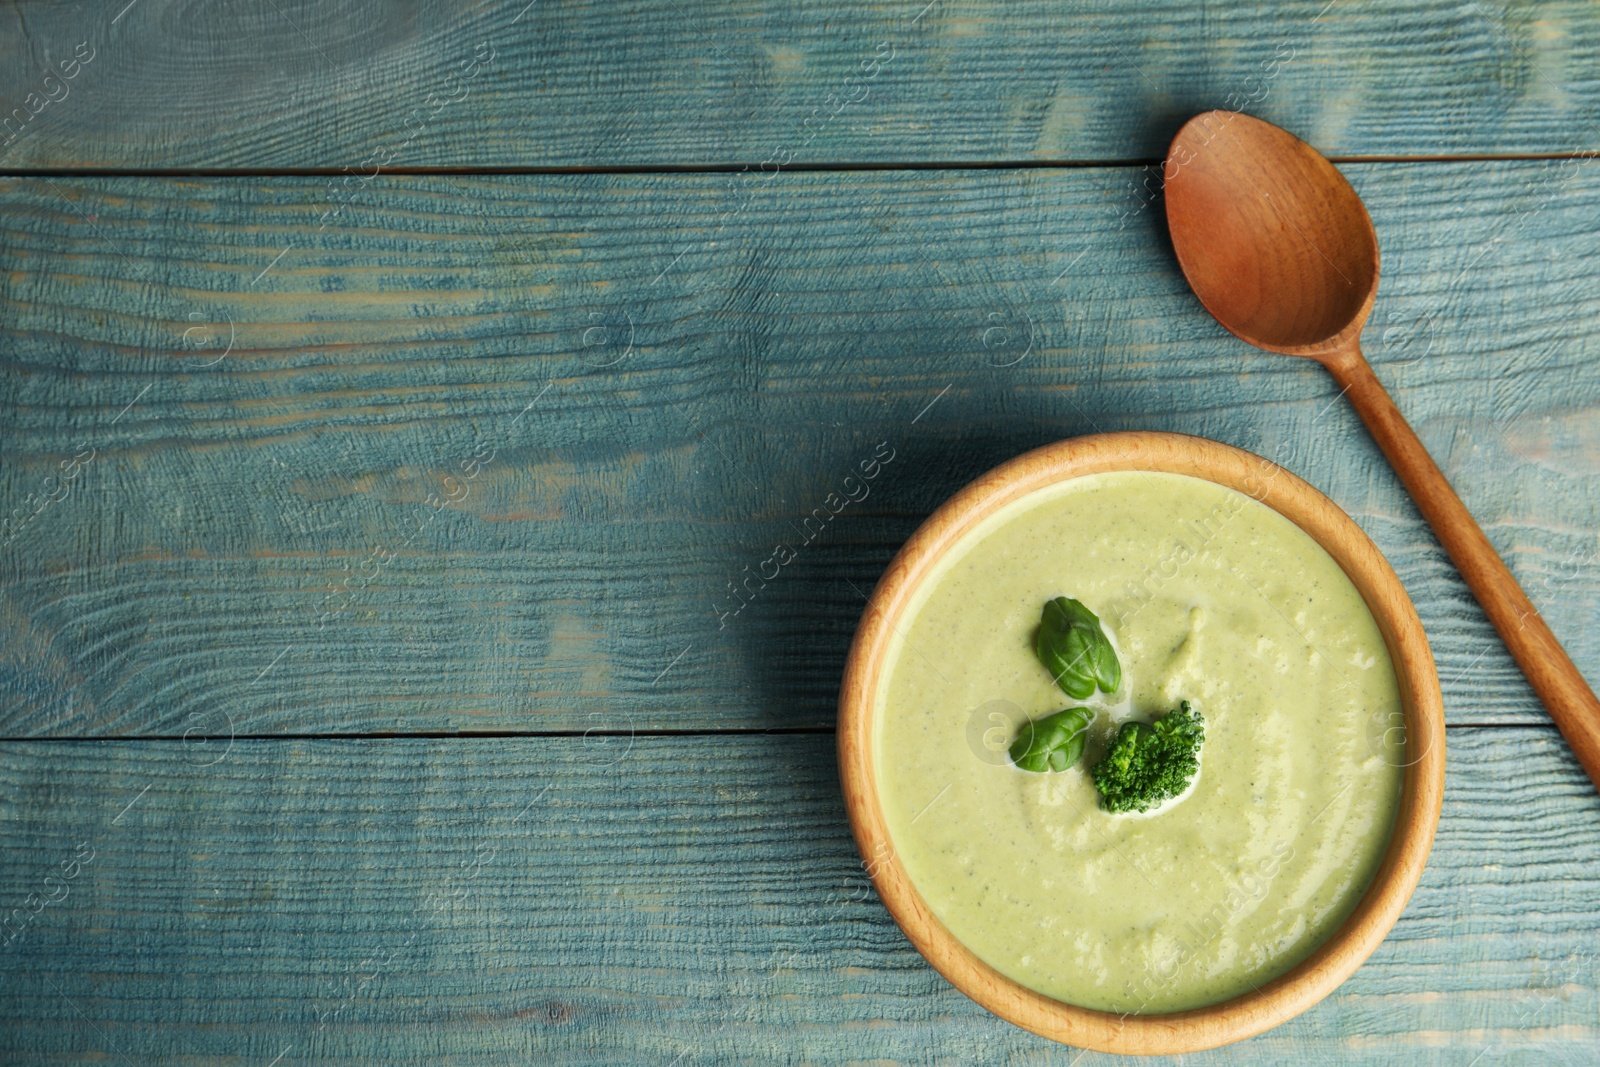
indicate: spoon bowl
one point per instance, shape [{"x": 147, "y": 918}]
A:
[
  {"x": 1291, "y": 267},
  {"x": 1281, "y": 251}
]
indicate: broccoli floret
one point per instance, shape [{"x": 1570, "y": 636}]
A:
[{"x": 1148, "y": 763}]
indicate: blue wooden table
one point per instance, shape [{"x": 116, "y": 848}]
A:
[{"x": 395, "y": 399}]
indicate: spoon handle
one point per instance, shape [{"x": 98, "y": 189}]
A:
[{"x": 1567, "y": 697}]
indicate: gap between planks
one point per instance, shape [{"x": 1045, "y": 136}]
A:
[
  {"x": 730, "y": 168},
  {"x": 451, "y": 735}
]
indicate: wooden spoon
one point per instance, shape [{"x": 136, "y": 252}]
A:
[{"x": 1278, "y": 246}]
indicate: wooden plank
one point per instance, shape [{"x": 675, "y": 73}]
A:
[
  {"x": 639, "y": 82},
  {"x": 655, "y": 900},
  {"x": 266, "y": 406}
]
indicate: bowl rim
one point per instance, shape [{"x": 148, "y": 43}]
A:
[{"x": 1422, "y": 785}]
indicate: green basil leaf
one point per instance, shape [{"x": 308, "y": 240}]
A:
[
  {"x": 1075, "y": 650},
  {"x": 1052, "y": 743}
]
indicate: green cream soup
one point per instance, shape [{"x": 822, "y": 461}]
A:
[{"x": 1210, "y": 597}]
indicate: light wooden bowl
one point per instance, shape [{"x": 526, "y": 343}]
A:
[{"x": 1422, "y": 785}]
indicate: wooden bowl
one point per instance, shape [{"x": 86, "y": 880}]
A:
[{"x": 1421, "y": 789}]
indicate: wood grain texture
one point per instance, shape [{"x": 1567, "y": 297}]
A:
[
  {"x": 780, "y": 332},
  {"x": 696, "y": 899},
  {"x": 299, "y": 83}
]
